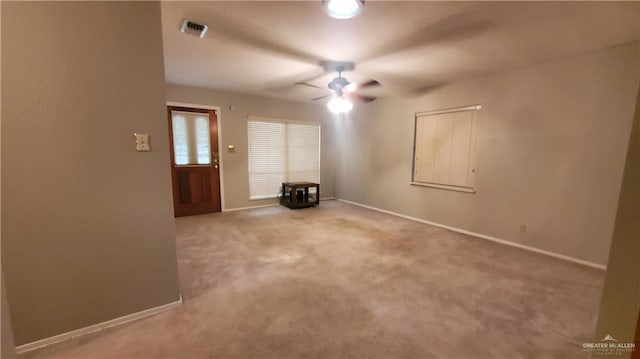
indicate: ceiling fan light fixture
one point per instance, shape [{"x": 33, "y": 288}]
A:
[
  {"x": 339, "y": 105},
  {"x": 352, "y": 87},
  {"x": 343, "y": 9}
]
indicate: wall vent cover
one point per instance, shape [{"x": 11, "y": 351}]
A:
[{"x": 193, "y": 28}]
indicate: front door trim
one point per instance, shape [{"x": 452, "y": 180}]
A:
[{"x": 218, "y": 111}]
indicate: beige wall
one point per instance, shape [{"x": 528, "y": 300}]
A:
[
  {"x": 551, "y": 146},
  {"x": 621, "y": 294},
  {"x": 7, "y": 346},
  {"x": 88, "y": 233},
  {"x": 234, "y": 132}
]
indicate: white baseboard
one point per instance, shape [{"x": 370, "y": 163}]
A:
[
  {"x": 478, "y": 235},
  {"x": 252, "y": 207},
  {"x": 267, "y": 205},
  {"x": 96, "y": 327}
]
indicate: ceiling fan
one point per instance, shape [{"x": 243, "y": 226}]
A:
[
  {"x": 455, "y": 27},
  {"x": 343, "y": 90}
]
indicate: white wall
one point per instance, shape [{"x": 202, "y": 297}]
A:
[
  {"x": 551, "y": 148},
  {"x": 234, "y": 132}
]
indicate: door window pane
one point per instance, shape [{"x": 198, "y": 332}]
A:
[{"x": 191, "y": 138}]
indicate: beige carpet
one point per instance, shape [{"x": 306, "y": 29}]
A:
[{"x": 339, "y": 281}]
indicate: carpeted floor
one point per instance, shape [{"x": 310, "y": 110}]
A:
[{"x": 339, "y": 281}]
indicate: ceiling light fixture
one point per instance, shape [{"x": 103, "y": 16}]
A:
[
  {"x": 339, "y": 105},
  {"x": 343, "y": 9}
]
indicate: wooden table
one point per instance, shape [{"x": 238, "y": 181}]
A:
[{"x": 296, "y": 194}]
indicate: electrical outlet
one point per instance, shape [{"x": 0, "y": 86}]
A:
[{"x": 522, "y": 228}]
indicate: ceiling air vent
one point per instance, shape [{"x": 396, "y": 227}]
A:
[{"x": 193, "y": 28}]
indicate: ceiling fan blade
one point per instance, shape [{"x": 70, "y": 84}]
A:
[
  {"x": 423, "y": 90},
  {"x": 456, "y": 27},
  {"x": 370, "y": 83},
  {"x": 321, "y": 97},
  {"x": 308, "y": 85},
  {"x": 353, "y": 87},
  {"x": 291, "y": 81},
  {"x": 314, "y": 77},
  {"x": 362, "y": 98},
  {"x": 253, "y": 36}
]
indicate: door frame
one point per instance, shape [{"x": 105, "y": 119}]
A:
[{"x": 218, "y": 111}]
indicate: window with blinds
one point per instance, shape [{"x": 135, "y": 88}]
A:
[
  {"x": 445, "y": 149},
  {"x": 281, "y": 152}
]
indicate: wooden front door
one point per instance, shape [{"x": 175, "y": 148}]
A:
[{"x": 195, "y": 172}]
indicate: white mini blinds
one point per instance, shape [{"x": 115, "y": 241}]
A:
[
  {"x": 281, "y": 152},
  {"x": 445, "y": 148}
]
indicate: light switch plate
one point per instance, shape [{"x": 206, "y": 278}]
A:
[{"x": 142, "y": 142}]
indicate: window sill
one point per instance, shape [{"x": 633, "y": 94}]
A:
[
  {"x": 260, "y": 198},
  {"x": 444, "y": 186}
]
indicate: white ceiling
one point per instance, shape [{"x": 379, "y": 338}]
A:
[{"x": 265, "y": 47}]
